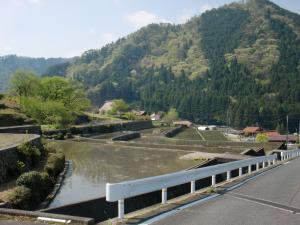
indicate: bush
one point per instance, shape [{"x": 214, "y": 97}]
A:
[
  {"x": 39, "y": 183},
  {"x": 1, "y": 96},
  {"x": 30, "y": 180},
  {"x": 20, "y": 197},
  {"x": 29, "y": 152},
  {"x": 21, "y": 167},
  {"x": 55, "y": 164}
]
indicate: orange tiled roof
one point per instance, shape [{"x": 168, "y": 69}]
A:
[{"x": 251, "y": 129}]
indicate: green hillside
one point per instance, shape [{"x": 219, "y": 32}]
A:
[
  {"x": 242, "y": 58},
  {"x": 10, "y": 63}
]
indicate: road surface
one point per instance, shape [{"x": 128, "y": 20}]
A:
[{"x": 270, "y": 199}]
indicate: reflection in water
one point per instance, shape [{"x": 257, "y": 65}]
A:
[{"x": 95, "y": 164}]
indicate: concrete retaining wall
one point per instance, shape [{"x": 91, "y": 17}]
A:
[
  {"x": 27, "y": 129},
  {"x": 103, "y": 128},
  {"x": 127, "y": 136},
  {"x": 23, "y": 213},
  {"x": 9, "y": 157},
  {"x": 172, "y": 132}
]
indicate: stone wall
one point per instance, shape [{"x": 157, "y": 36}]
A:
[
  {"x": 26, "y": 129},
  {"x": 9, "y": 158}
]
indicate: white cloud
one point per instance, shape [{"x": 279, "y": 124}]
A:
[
  {"x": 207, "y": 7},
  {"x": 143, "y": 18}
]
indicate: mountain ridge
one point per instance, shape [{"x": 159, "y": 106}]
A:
[
  {"x": 10, "y": 63},
  {"x": 237, "y": 60}
]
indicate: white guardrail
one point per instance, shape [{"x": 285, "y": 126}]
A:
[
  {"x": 120, "y": 191},
  {"x": 289, "y": 154}
]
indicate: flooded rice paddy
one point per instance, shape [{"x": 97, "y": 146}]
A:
[{"x": 96, "y": 163}]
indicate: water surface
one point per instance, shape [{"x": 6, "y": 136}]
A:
[{"x": 95, "y": 164}]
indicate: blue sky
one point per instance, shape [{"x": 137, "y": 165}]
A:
[{"x": 65, "y": 28}]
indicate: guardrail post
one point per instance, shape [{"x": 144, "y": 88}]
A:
[
  {"x": 263, "y": 164},
  {"x": 193, "y": 186},
  {"x": 164, "y": 196},
  {"x": 281, "y": 156},
  {"x": 121, "y": 209},
  {"x": 240, "y": 171},
  {"x": 274, "y": 161},
  {"x": 269, "y": 162},
  {"x": 228, "y": 175},
  {"x": 257, "y": 166},
  {"x": 249, "y": 169},
  {"x": 213, "y": 180}
]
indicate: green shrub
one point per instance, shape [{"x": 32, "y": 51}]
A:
[
  {"x": 39, "y": 183},
  {"x": 21, "y": 167},
  {"x": 20, "y": 197},
  {"x": 55, "y": 164},
  {"x": 31, "y": 180},
  {"x": 1, "y": 96},
  {"x": 27, "y": 151}
]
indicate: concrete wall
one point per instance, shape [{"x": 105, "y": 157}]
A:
[
  {"x": 103, "y": 128},
  {"x": 26, "y": 129},
  {"x": 9, "y": 157},
  {"x": 127, "y": 136},
  {"x": 173, "y": 132}
]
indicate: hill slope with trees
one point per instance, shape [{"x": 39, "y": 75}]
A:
[
  {"x": 11, "y": 63},
  {"x": 240, "y": 60}
]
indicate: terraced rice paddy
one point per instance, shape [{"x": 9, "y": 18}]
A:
[
  {"x": 99, "y": 160},
  {"x": 188, "y": 134},
  {"x": 211, "y": 135}
]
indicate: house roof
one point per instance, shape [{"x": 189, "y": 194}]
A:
[
  {"x": 272, "y": 133},
  {"x": 106, "y": 106},
  {"x": 252, "y": 129},
  {"x": 183, "y": 122},
  {"x": 282, "y": 138}
]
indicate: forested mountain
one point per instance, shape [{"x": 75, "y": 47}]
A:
[
  {"x": 240, "y": 60},
  {"x": 10, "y": 63}
]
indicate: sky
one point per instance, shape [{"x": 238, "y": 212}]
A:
[{"x": 67, "y": 28}]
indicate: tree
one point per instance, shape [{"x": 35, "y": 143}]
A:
[
  {"x": 65, "y": 91},
  {"x": 119, "y": 106},
  {"x": 49, "y": 100},
  {"x": 171, "y": 115},
  {"x": 262, "y": 137},
  {"x": 24, "y": 84}
]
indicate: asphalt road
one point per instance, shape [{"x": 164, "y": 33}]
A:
[{"x": 270, "y": 199}]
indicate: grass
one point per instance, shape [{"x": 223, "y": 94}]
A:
[
  {"x": 188, "y": 134},
  {"x": 103, "y": 117},
  {"x": 212, "y": 135}
]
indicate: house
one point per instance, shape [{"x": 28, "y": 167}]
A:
[
  {"x": 184, "y": 123},
  {"x": 107, "y": 106},
  {"x": 252, "y": 130},
  {"x": 156, "y": 116},
  {"x": 203, "y": 128},
  {"x": 139, "y": 113},
  {"x": 208, "y": 127},
  {"x": 282, "y": 138}
]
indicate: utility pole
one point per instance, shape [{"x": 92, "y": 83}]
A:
[
  {"x": 287, "y": 130},
  {"x": 299, "y": 134},
  {"x": 227, "y": 122}
]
